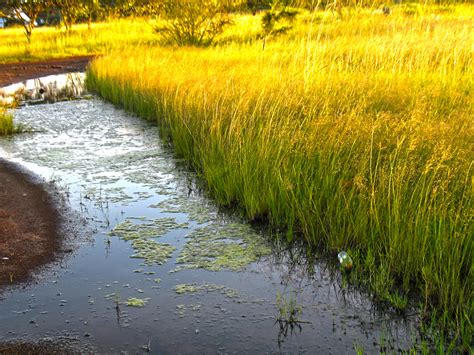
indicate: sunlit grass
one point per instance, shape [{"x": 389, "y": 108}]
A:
[{"x": 50, "y": 42}]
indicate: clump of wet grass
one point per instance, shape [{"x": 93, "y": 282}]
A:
[
  {"x": 7, "y": 127},
  {"x": 355, "y": 133},
  {"x": 289, "y": 317},
  {"x": 6, "y": 123},
  {"x": 288, "y": 309}
]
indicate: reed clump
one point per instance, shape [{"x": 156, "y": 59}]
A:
[{"x": 6, "y": 123}]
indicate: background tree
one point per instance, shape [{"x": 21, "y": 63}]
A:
[
  {"x": 195, "y": 22},
  {"x": 91, "y": 10},
  {"x": 70, "y": 10},
  {"x": 20, "y": 8},
  {"x": 273, "y": 20}
]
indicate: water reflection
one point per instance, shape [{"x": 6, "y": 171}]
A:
[{"x": 48, "y": 89}]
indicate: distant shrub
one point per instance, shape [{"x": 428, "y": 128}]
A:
[
  {"x": 276, "y": 20},
  {"x": 195, "y": 22}
]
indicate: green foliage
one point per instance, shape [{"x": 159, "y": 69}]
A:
[
  {"x": 288, "y": 309},
  {"x": 71, "y": 10},
  {"x": 31, "y": 8},
  {"x": 194, "y": 23},
  {"x": 272, "y": 18},
  {"x": 7, "y": 127}
]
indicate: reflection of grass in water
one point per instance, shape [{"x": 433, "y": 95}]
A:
[
  {"x": 142, "y": 234},
  {"x": 218, "y": 247}
]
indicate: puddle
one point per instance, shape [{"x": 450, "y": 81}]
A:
[{"x": 166, "y": 271}]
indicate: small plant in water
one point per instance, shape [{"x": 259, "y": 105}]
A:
[
  {"x": 289, "y": 310},
  {"x": 289, "y": 315}
]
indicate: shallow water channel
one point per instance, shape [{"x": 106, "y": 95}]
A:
[{"x": 207, "y": 282}]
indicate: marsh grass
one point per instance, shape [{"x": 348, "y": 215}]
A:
[
  {"x": 6, "y": 123},
  {"x": 7, "y": 126}
]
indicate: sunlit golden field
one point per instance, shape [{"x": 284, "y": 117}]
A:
[
  {"x": 354, "y": 133},
  {"x": 50, "y": 42}
]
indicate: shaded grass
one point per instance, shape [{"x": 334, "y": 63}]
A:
[{"x": 355, "y": 133}]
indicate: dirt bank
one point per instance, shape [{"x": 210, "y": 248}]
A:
[
  {"x": 29, "y": 224},
  {"x": 29, "y": 218}
]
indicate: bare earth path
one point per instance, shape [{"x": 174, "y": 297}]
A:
[{"x": 29, "y": 218}]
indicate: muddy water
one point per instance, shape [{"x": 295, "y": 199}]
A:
[{"x": 205, "y": 281}]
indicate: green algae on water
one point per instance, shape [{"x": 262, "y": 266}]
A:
[
  {"x": 152, "y": 252},
  {"x": 188, "y": 289},
  {"x": 136, "y": 302},
  {"x": 217, "y": 247},
  {"x": 182, "y": 308},
  {"x": 194, "y": 208},
  {"x": 128, "y": 230},
  {"x": 142, "y": 237}
]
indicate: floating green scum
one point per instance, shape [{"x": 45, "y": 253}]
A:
[
  {"x": 217, "y": 247},
  {"x": 142, "y": 237}
]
